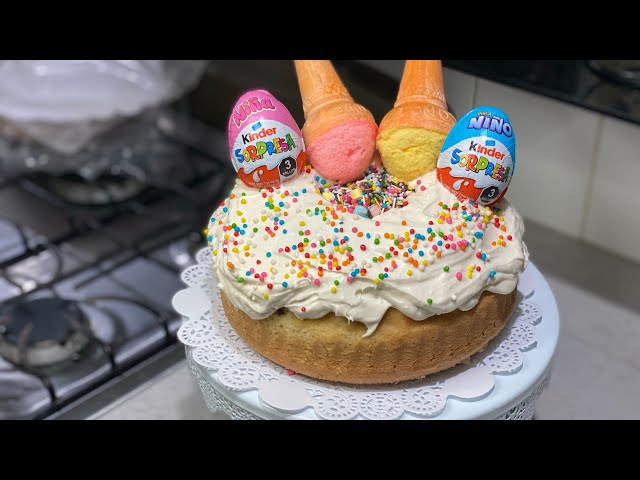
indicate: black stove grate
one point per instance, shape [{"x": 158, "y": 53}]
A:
[{"x": 119, "y": 261}]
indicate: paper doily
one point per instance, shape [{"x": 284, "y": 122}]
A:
[{"x": 214, "y": 345}]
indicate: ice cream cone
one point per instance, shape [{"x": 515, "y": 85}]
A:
[
  {"x": 412, "y": 133},
  {"x": 339, "y": 134}
]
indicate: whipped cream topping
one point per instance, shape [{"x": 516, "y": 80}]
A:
[{"x": 289, "y": 247}]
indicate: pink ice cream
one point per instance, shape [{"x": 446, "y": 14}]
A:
[
  {"x": 343, "y": 152},
  {"x": 340, "y": 135}
]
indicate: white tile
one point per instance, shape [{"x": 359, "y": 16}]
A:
[
  {"x": 458, "y": 88},
  {"x": 555, "y": 145},
  {"x": 615, "y": 190}
]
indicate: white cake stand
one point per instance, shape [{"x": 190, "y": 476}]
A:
[{"x": 503, "y": 382}]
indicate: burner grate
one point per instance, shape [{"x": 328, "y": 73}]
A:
[{"x": 106, "y": 251}]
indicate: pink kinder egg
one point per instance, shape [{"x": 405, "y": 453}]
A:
[{"x": 265, "y": 142}]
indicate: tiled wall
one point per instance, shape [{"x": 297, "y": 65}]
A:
[{"x": 577, "y": 171}]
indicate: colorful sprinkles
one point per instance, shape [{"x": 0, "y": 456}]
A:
[
  {"x": 315, "y": 258},
  {"x": 374, "y": 194}
]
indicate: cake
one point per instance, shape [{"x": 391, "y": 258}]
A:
[
  {"x": 300, "y": 285},
  {"x": 376, "y": 281}
]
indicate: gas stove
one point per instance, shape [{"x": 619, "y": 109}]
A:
[{"x": 87, "y": 272}]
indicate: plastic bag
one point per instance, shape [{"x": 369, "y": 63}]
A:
[{"x": 63, "y": 104}]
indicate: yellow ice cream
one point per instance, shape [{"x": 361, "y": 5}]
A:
[
  {"x": 410, "y": 152},
  {"x": 411, "y": 134}
]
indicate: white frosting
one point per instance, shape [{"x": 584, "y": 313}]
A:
[{"x": 361, "y": 299}]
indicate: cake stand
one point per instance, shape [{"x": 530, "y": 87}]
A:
[{"x": 501, "y": 382}]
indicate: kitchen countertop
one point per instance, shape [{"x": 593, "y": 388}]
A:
[
  {"x": 596, "y": 372},
  {"x": 174, "y": 395}
]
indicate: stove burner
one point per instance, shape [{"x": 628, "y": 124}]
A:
[
  {"x": 105, "y": 190},
  {"x": 42, "y": 332}
]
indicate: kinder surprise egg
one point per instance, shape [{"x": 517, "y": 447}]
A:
[
  {"x": 478, "y": 156},
  {"x": 265, "y": 141}
]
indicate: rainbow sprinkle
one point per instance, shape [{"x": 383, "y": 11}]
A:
[
  {"x": 374, "y": 194},
  {"x": 394, "y": 254}
]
